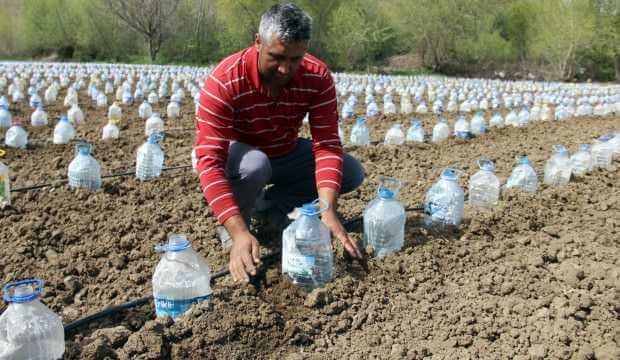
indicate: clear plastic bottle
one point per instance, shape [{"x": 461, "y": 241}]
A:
[
  {"x": 461, "y": 128},
  {"x": 347, "y": 111},
  {"x": 145, "y": 110},
  {"x": 602, "y": 153},
  {"x": 110, "y": 131},
  {"x": 63, "y": 131},
  {"x": 75, "y": 115},
  {"x": 307, "y": 257},
  {"x": 38, "y": 117},
  {"x": 173, "y": 110},
  {"x": 415, "y": 132},
  {"x": 384, "y": 219},
  {"x": 441, "y": 131},
  {"x": 478, "y": 124},
  {"x": 84, "y": 170},
  {"x": 523, "y": 176},
  {"x": 16, "y": 136},
  {"x": 497, "y": 121},
  {"x": 28, "y": 329},
  {"x": 614, "y": 142},
  {"x": 372, "y": 109},
  {"x": 512, "y": 119},
  {"x": 182, "y": 278},
  {"x": 558, "y": 168},
  {"x": 115, "y": 113},
  {"x": 5, "y": 117},
  {"x": 359, "y": 133},
  {"x": 154, "y": 124},
  {"x": 581, "y": 161},
  {"x": 395, "y": 135},
  {"x": 484, "y": 186},
  {"x": 5, "y": 186},
  {"x": 150, "y": 158},
  {"x": 445, "y": 200}
]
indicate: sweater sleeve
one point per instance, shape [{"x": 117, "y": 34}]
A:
[
  {"x": 214, "y": 132},
  {"x": 323, "y": 118}
]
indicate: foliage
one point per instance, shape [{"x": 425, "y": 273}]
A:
[{"x": 555, "y": 39}]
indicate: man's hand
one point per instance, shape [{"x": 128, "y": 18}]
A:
[
  {"x": 245, "y": 251},
  {"x": 244, "y": 256},
  {"x": 339, "y": 232}
]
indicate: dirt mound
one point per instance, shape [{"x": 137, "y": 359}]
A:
[{"x": 537, "y": 277}]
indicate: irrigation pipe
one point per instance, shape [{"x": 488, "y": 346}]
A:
[
  {"x": 265, "y": 260},
  {"x": 118, "y": 174}
]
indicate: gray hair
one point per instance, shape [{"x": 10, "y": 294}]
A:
[{"x": 286, "y": 21}]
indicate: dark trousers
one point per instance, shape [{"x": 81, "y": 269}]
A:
[{"x": 291, "y": 177}]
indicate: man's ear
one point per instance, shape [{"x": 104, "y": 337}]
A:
[{"x": 257, "y": 41}]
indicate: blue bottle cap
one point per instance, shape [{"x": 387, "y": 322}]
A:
[
  {"x": 176, "y": 242},
  {"x": 23, "y": 291},
  {"x": 385, "y": 193}
]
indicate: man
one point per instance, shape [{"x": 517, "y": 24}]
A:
[{"x": 250, "y": 111}]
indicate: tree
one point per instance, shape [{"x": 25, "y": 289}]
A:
[
  {"x": 147, "y": 17},
  {"x": 560, "y": 31}
]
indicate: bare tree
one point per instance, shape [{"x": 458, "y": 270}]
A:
[{"x": 147, "y": 17}]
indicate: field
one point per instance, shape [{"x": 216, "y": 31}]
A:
[{"x": 537, "y": 277}]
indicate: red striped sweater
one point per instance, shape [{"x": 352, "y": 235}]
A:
[{"x": 234, "y": 106}]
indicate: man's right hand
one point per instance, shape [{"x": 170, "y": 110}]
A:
[{"x": 244, "y": 256}]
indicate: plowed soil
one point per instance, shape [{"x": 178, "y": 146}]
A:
[{"x": 537, "y": 277}]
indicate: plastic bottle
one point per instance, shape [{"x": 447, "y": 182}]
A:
[
  {"x": 614, "y": 142},
  {"x": 5, "y": 186},
  {"x": 75, "y": 115},
  {"x": 84, "y": 170},
  {"x": 444, "y": 202},
  {"x": 63, "y": 131},
  {"x": 523, "y": 176},
  {"x": 558, "y": 168},
  {"x": 359, "y": 133},
  {"x": 347, "y": 111},
  {"x": 478, "y": 124},
  {"x": 115, "y": 113},
  {"x": 28, "y": 329},
  {"x": 307, "y": 257},
  {"x": 512, "y": 119},
  {"x": 484, "y": 186},
  {"x": 415, "y": 132},
  {"x": 384, "y": 219},
  {"x": 153, "y": 124},
  {"x": 182, "y": 278},
  {"x": 581, "y": 161},
  {"x": 16, "y": 136},
  {"x": 5, "y": 117},
  {"x": 38, "y": 117},
  {"x": 173, "y": 110},
  {"x": 441, "y": 131},
  {"x": 150, "y": 158},
  {"x": 462, "y": 129},
  {"x": 144, "y": 110},
  {"x": 497, "y": 121},
  {"x": 395, "y": 135},
  {"x": 602, "y": 153},
  {"x": 372, "y": 109},
  {"x": 110, "y": 131}
]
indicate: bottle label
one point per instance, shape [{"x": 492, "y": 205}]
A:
[
  {"x": 176, "y": 308},
  {"x": 300, "y": 265}
]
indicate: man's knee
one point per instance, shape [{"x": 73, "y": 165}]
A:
[
  {"x": 255, "y": 168},
  {"x": 352, "y": 174}
]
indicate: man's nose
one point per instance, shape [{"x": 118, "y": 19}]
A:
[{"x": 284, "y": 68}]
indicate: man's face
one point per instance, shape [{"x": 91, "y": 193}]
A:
[{"x": 278, "y": 62}]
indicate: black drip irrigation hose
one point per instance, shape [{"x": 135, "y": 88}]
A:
[
  {"x": 113, "y": 175},
  {"x": 265, "y": 260}
]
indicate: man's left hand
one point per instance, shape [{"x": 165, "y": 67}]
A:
[{"x": 339, "y": 232}]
